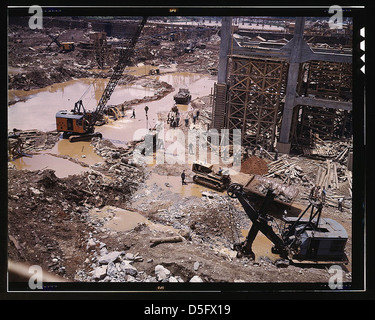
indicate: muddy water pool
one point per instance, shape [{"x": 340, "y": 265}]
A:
[
  {"x": 123, "y": 220},
  {"x": 58, "y": 158},
  {"x": 124, "y": 130},
  {"x": 173, "y": 184},
  {"x": 62, "y": 167},
  {"x": 38, "y": 108}
]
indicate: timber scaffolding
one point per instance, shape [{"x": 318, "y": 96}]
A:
[{"x": 280, "y": 95}]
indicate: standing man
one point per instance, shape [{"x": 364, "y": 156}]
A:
[
  {"x": 340, "y": 201},
  {"x": 276, "y": 155},
  {"x": 191, "y": 151},
  {"x": 312, "y": 193},
  {"x": 194, "y": 118},
  {"x": 324, "y": 192},
  {"x": 183, "y": 177},
  {"x": 146, "y": 110},
  {"x": 133, "y": 115}
]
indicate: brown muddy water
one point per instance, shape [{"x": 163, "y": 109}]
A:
[
  {"x": 62, "y": 167},
  {"x": 58, "y": 159},
  {"x": 39, "y": 107},
  {"x": 174, "y": 184},
  {"x": 123, "y": 220}
]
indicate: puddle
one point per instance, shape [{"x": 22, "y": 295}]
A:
[
  {"x": 39, "y": 109},
  {"x": 62, "y": 167},
  {"x": 119, "y": 219},
  {"x": 144, "y": 70},
  {"x": 125, "y": 220},
  {"x": 261, "y": 246},
  {"x": 122, "y": 131},
  {"x": 80, "y": 150}
]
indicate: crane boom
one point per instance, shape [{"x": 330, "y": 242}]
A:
[
  {"x": 78, "y": 124},
  {"x": 125, "y": 56}
]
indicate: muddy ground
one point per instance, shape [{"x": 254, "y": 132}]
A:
[
  {"x": 58, "y": 224},
  {"x": 67, "y": 225}
]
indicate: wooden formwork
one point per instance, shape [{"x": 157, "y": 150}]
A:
[{"x": 254, "y": 99}]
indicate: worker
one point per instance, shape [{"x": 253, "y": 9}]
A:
[
  {"x": 261, "y": 152},
  {"x": 276, "y": 155},
  {"x": 133, "y": 115},
  {"x": 340, "y": 201},
  {"x": 324, "y": 193},
  {"x": 146, "y": 110},
  {"x": 317, "y": 193},
  {"x": 187, "y": 121},
  {"x": 197, "y": 114},
  {"x": 220, "y": 171},
  {"x": 183, "y": 177},
  {"x": 312, "y": 193},
  {"x": 194, "y": 118},
  {"x": 191, "y": 150},
  {"x": 177, "y": 119}
]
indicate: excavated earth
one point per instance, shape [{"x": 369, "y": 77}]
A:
[{"x": 57, "y": 223}]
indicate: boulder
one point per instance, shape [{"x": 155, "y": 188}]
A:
[
  {"x": 196, "y": 279},
  {"x": 100, "y": 272},
  {"x": 128, "y": 268},
  {"x": 110, "y": 257},
  {"x": 162, "y": 273}
]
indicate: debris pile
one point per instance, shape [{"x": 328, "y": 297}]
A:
[
  {"x": 21, "y": 142},
  {"x": 122, "y": 266},
  {"x": 284, "y": 192},
  {"x": 325, "y": 149},
  {"x": 287, "y": 170},
  {"x": 254, "y": 165}
]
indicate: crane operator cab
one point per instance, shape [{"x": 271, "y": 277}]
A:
[{"x": 75, "y": 122}]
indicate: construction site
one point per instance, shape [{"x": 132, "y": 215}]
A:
[{"x": 95, "y": 103}]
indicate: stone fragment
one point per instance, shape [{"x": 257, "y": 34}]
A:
[
  {"x": 162, "y": 273},
  {"x": 110, "y": 257}
]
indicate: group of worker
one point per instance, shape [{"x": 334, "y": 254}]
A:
[
  {"x": 319, "y": 194},
  {"x": 174, "y": 120},
  {"x": 173, "y": 117}
]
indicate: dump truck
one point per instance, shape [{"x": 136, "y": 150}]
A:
[
  {"x": 204, "y": 175},
  {"x": 183, "y": 96}
]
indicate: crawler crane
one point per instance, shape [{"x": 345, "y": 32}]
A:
[{"x": 79, "y": 124}]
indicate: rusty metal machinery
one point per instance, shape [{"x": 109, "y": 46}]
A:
[{"x": 308, "y": 238}]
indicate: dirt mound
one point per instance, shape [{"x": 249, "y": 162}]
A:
[
  {"x": 48, "y": 217},
  {"x": 254, "y": 165}
]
